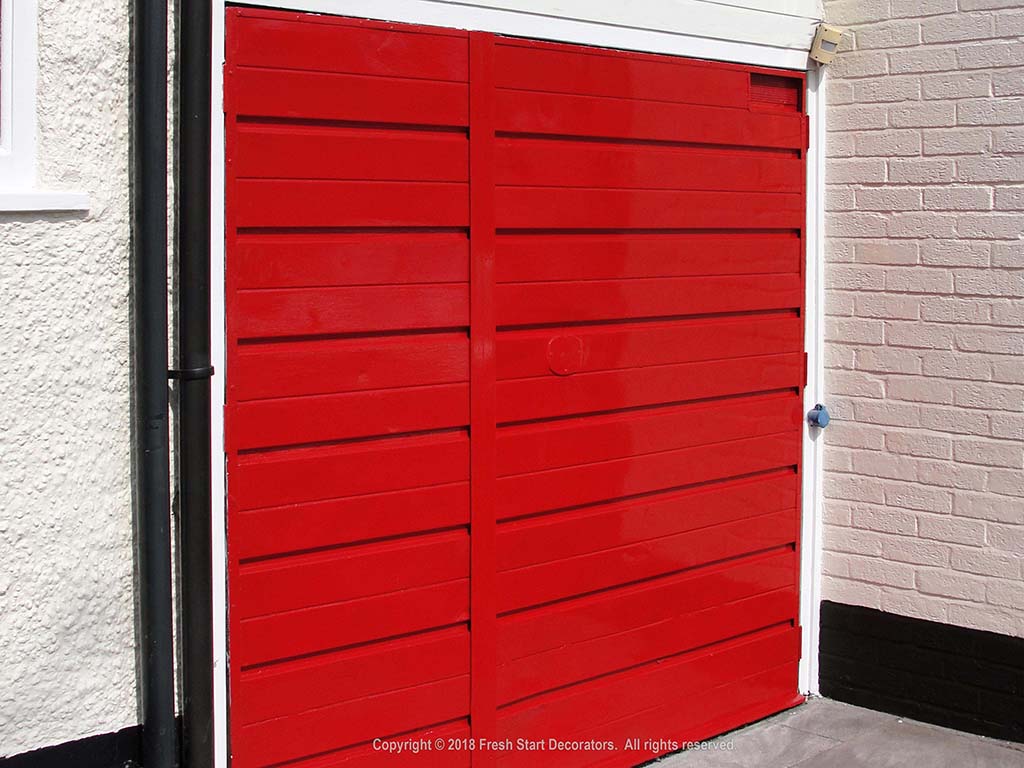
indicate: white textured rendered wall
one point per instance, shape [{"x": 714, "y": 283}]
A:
[
  {"x": 925, "y": 297},
  {"x": 67, "y": 615}
]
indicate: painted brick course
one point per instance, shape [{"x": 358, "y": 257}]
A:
[{"x": 924, "y": 479}]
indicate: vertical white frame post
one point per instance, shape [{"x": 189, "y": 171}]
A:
[
  {"x": 218, "y": 390},
  {"x": 814, "y": 392},
  {"x": 460, "y": 16}
]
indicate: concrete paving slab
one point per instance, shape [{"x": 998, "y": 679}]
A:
[
  {"x": 828, "y": 734},
  {"x": 833, "y": 719},
  {"x": 767, "y": 744},
  {"x": 909, "y": 744}
]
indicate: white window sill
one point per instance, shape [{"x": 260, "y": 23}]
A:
[{"x": 28, "y": 200}]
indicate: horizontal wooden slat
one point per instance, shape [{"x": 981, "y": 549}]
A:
[
  {"x": 547, "y": 445},
  {"x": 567, "y": 487},
  {"x": 321, "y": 418},
  {"x": 567, "y": 623},
  {"x": 305, "y": 203},
  {"x": 554, "y": 396},
  {"x": 366, "y": 756},
  {"x": 299, "y": 420},
  {"x": 325, "y": 627},
  {"x": 598, "y": 73},
  {"x": 562, "y": 579},
  {"x": 565, "y": 115},
  {"x": 321, "y": 96},
  {"x": 607, "y": 347},
  {"x": 332, "y": 522},
  {"x": 569, "y": 534},
  {"x": 293, "y": 687},
  {"x": 314, "y": 311},
  {"x": 349, "y": 45},
  {"x": 373, "y": 308},
  {"x": 607, "y": 699},
  {"x": 555, "y": 208},
  {"x": 312, "y": 474},
  {"x": 524, "y": 258},
  {"x": 318, "y": 152},
  {"x": 287, "y": 369},
  {"x": 304, "y": 581},
  {"x": 566, "y": 302},
  {"x": 571, "y": 664},
  {"x": 310, "y": 260},
  {"x": 341, "y": 725},
  {"x": 586, "y": 164}
]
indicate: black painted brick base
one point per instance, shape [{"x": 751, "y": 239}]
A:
[
  {"x": 108, "y": 750},
  {"x": 937, "y": 673}
]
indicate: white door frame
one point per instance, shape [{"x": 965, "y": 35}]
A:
[
  {"x": 510, "y": 22},
  {"x": 814, "y": 391}
]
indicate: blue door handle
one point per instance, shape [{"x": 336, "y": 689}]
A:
[{"x": 818, "y": 416}]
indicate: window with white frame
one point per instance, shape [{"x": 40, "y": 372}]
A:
[
  {"x": 18, "y": 185},
  {"x": 17, "y": 94}
]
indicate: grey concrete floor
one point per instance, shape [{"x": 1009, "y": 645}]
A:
[{"x": 828, "y": 734}]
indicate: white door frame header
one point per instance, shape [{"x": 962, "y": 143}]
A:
[
  {"x": 531, "y": 25},
  {"x": 704, "y": 39}
]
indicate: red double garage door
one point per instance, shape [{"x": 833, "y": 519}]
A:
[{"x": 515, "y": 357}]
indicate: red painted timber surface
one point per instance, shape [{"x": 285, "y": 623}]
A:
[{"x": 514, "y": 417}]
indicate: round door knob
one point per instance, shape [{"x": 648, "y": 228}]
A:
[{"x": 818, "y": 416}]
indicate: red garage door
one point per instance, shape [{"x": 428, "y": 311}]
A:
[{"x": 514, "y": 419}]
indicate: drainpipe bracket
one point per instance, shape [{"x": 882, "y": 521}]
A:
[{"x": 191, "y": 374}]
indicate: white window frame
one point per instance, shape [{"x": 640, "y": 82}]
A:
[
  {"x": 18, "y": 80},
  {"x": 466, "y": 15}
]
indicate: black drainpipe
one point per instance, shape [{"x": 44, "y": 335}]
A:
[
  {"x": 149, "y": 326},
  {"x": 193, "y": 422}
]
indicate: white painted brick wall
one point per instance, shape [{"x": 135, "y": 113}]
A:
[{"x": 924, "y": 482}]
